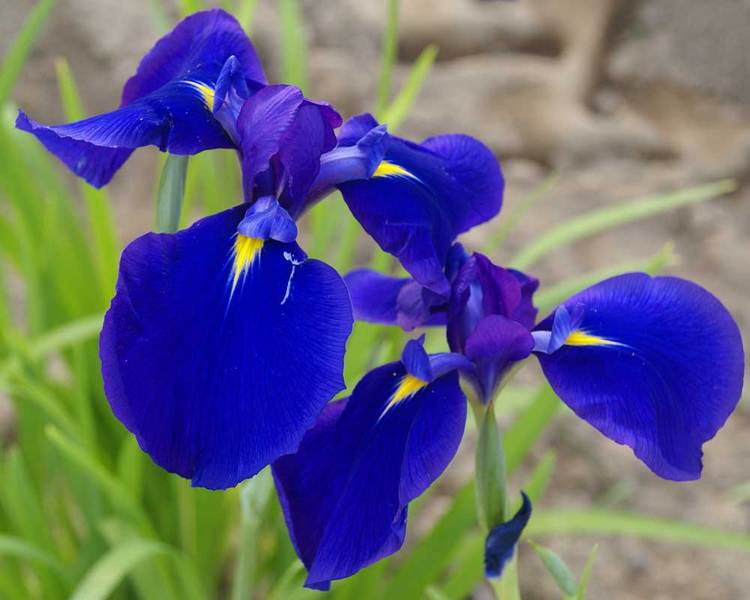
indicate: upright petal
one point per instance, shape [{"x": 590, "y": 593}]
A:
[
  {"x": 653, "y": 363},
  {"x": 421, "y": 197},
  {"x": 219, "y": 351},
  {"x": 346, "y": 490},
  {"x": 285, "y": 134}
]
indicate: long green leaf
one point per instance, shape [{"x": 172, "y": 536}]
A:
[
  {"x": 597, "y": 221},
  {"x": 398, "y": 110},
  {"x": 390, "y": 50},
  {"x": 293, "y": 44},
  {"x": 110, "y": 570},
  {"x": 584, "y": 584},
  {"x": 526, "y": 429},
  {"x": 549, "y": 522},
  {"x": 15, "y": 57},
  {"x": 21, "y": 549},
  {"x": 549, "y": 298}
]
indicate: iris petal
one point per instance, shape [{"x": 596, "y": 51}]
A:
[
  {"x": 345, "y": 492},
  {"x": 167, "y": 103},
  {"x": 204, "y": 39},
  {"x": 280, "y": 129},
  {"x": 217, "y": 381},
  {"x": 657, "y": 364},
  {"x": 423, "y": 196}
]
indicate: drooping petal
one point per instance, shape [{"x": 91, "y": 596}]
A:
[
  {"x": 501, "y": 541},
  {"x": 176, "y": 118},
  {"x": 282, "y": 131},
  {"x": 167, "y": 103},
  {"x": 653, "y": 363},
  {"x": 494, "y": 346},
  {"x": 346, "y": 490},
  {"x": 219, "y": 351},
  {"x": 422, "y": 197}
]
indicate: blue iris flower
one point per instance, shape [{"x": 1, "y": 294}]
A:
[
  {"x": 184, "y": 98},
  {"x": 655, "y": 363},
  {"x": 224, "y": 341},
  {"x": 345, "y": 492},
  {"x": 413, "y": 199}
]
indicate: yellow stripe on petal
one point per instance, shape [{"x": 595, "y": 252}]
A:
[
  {"x": 408, "y": 386},
  {"x": 245, "y": 251},
  {"x": 581, "y": 338},
  {"x": 389, "y": 169},
  {"x": 206, "y": 92}
]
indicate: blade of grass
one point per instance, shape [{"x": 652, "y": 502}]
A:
[
  {"x": 293, "y": 44},
  {"x": 111, "y": 569},
  {"x": 512, "y": 217},
  {"x": 399, "y": 108},
  {"x": 562, "y": 521},
  {"x": 390, "y": 50},
  {"x": 550, "y": 297},
  {"x": 15, "y": 57},
  {"x": 526, "y": 429},
  {"x": 597, "y": 221}
]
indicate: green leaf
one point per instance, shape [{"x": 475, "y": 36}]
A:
[
  {"x": 293, "y": 45},
  {"x": 604, "y": 219},
  {"x": 557, "y": 568},
  {"x": 171, "y": 193},
  {"x": 549, "y": 298},
  {"x": 254, "y": 497},
  {"x": 109, "y": 571},
  {"x": 490, "y": 471},
  {"x": 554, "y": 522},
  {"x": 583, "y": 586},
  {"x": 245, "y": 13},
  {"x": 526, "y": 429},
  {"x": 538, "y": 481},
  {"x": 434, "y": 553},
  {"x": 511, "y": 217},
  {"x": 390, "y": 50},
  {"x": 21, "y": 549},
  {"x": 15, "y": 57},
  {"x": 399, "y": 109}
]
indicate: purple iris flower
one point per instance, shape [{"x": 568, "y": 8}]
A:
[
  {"x": 413, "y": 199},
  {"x": 224, "y": 341},
  {"x": 184, "y": 99},
  {"x": 655, "y": 363},
  {"x": 346, "y": 491}
]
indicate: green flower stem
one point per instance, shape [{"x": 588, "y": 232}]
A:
[{"x": 171, "y": 193}]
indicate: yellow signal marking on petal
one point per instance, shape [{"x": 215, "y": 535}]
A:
[
  {"x": 581, "y": 338},
  {"x": 206, "y": 92},
  {"x": 245, "y": 250},
  {"x": 389, "y": 169},
  {"x": 407, "y": 387}
]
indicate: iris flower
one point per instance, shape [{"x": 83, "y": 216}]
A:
[
  {"x": 223, "y": 342},
  {"x": 184, "y": 98},
  {"x": 413, "y": 199},
  {"x": 655, "y": 363}
]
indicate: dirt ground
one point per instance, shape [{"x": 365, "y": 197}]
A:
[{"x": 623, "y": 99}]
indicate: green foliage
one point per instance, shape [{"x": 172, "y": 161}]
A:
[{"x": 85, "y": 514}]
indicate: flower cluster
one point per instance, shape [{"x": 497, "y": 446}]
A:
[{"x": 224, "y": 344}]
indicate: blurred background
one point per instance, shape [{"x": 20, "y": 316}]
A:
[{"x": 593, "y": 102}]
